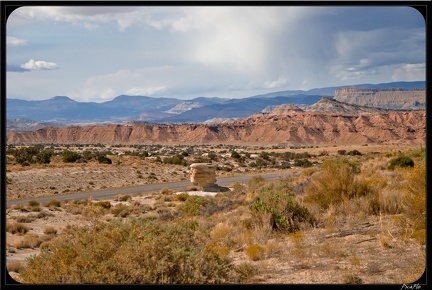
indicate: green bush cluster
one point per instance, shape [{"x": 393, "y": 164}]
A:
[
  {"x": 302, "y": 162},
  {"x": 138, "y": 251},
  {"x": 352, "y": 152},
  {"x": 33, "y": 154},
  {"x": 177, "y": 159},
  {"x": 401, "y": 161},
  {"x": 286, "y": 213},
  {"x": 70, "y": 156},
  {"x": 102, "y": 159}
]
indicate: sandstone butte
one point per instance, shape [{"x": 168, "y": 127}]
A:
[{"x": 289, "y": 127}]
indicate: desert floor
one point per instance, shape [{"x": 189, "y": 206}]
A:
[{"x": 361, "y": 247}]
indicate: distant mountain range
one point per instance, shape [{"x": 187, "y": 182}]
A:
[
  {"x": 327, "y": 122},
  {"x": 63, "y": 110}
]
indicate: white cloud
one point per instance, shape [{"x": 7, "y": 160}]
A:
[
  {"x": 90, "y": 17},
  {"x": 274, "y": 84},
  {"x": 13, "y": 41},
  {"x": 237, "y": 38},
  {"x": 39, "y": 65}
]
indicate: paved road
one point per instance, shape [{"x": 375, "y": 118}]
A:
[{"x": 148, "y": 188}]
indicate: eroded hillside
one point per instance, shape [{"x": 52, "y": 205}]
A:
[{"x": 291, "y": 127}]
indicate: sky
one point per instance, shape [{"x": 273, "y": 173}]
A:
[{"x": 93, "y": 53}]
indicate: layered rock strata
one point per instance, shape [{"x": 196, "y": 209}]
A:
[
  {"x": 394, "y": 99},
  {"x": 289, "y": 128}
]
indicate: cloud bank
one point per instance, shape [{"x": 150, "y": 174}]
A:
[{"x": 217, "y": 51}]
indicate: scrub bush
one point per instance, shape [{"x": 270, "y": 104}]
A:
[
  {"x": 336, "y": 183},
  {"x": 401, "y": 161},
  {"x": 286, "y": 213},
  {"x": 138, "y": 251}
]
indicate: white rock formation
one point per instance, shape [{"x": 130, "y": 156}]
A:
[{"x": 203, "y": 174}]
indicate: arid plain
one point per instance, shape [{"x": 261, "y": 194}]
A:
[{"x": 348, "y": 243}]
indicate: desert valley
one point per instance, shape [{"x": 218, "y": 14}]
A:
[{"x": 348, "y": 205}]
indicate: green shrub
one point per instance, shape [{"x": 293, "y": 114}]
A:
[
  {"x": 137, "y": 251},
  {"x": 285, "y": 212},
  {"x": 44, "y": 156},
  {"x": 87, "y": 155},
  {"x": 235, "y": 155},
  {"x": 192, "y": 205},
  {"x": 102, "y": 159},
  {"x": 25, "y": 155},
  {"x": 354, "y": 153},
  {"x": 178, "y": 159},
  {"x": 401, "y": 161},
  {"x": 302, "y": 162},
  {"x": 70, "y": 156}
]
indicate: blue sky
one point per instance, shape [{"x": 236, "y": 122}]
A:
[{"x": 94, "y": 54}]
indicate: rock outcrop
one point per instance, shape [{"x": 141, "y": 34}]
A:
[
  {"x": 203, "y": 174},
  {"x": 394, "y": 99}
]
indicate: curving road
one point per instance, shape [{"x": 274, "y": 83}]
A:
[{"x": 148, "y": 188}]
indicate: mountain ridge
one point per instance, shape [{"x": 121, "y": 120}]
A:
[
  {"x": 327, "y": 122},
  {"x": 125, "y": 108}
]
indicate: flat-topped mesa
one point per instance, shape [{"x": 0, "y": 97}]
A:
[{"x": 203, "y": 174}]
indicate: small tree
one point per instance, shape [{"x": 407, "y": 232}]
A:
[
  {"x": 70, "y": 156},
  {"x": 401, "y": 161},
  {"x": 235, "y": 155},
  {"x": 104, "y": 160}
]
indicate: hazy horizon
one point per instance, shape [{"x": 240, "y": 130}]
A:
[{"x": 173, "y": 97}]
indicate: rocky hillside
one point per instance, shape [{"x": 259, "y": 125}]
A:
[
  {"x": 394, "y": 99},
  {"x": 289, "y": 126}
]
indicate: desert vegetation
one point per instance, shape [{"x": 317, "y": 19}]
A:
[{"x": 350, "y": 217}]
